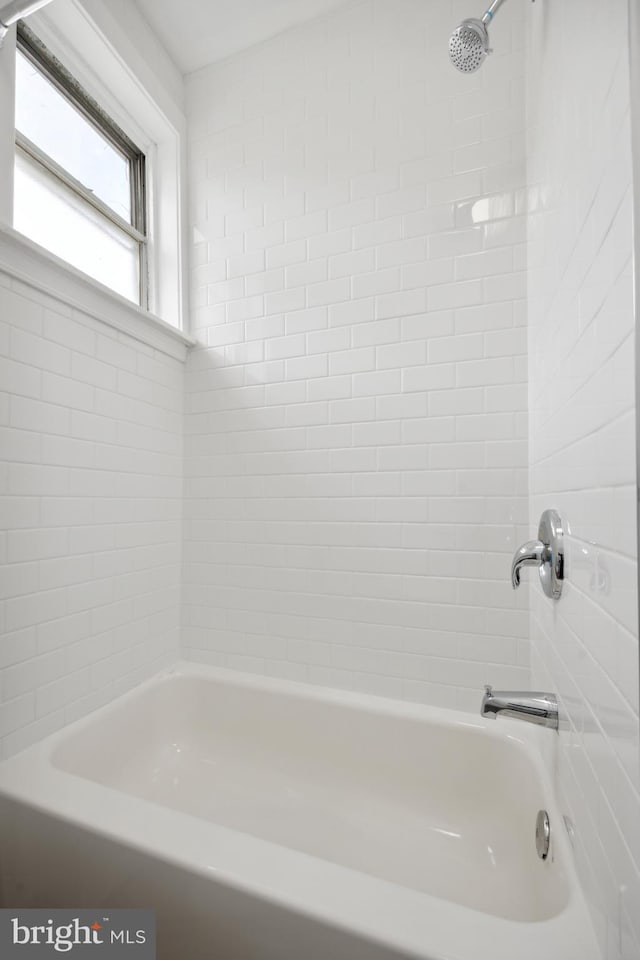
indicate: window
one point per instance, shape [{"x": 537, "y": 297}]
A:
[{"x": 79, "y": 180}]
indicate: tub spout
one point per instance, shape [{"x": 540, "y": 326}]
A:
[{"x": 540, "y": 708}]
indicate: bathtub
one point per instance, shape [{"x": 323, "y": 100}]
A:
[{"x": 268, "y": 820}]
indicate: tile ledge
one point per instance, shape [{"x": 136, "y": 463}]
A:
[{"x": 32, "y": 265}]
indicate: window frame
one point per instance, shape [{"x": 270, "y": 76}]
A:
[{"x": 30, "y": 46}]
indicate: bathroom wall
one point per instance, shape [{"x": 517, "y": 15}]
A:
[
  {"x": 91, "y": 484},
  {"x": 582, "y": 437},
  {"x": 356, "y": 431},
  {"x": 91, "y": 456}
]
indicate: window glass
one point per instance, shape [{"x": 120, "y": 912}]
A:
[
  {"x": 53, "y": 124},
  {"x": 51, "y": 214}
]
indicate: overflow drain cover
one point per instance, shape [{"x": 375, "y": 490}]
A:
[{"x": 543, "y": 834}]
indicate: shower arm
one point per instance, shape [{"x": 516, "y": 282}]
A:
[
  {"x": 13, "y": 11},
  {"x": 487, "y": 17}
]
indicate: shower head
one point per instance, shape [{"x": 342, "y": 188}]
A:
[{"x": 469, "y": 43}]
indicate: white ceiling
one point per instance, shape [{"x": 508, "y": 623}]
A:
[{"x": 198, "y": 32}]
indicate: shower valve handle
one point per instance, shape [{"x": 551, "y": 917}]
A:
[
  {"x": 546, "y": 553},
  {"x": 530, "y": 554}
]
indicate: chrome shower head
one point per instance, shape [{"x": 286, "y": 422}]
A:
[{"x": 469, "y": 45}]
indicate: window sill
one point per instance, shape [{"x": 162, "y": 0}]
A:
[{"x": 23, "y": 260}]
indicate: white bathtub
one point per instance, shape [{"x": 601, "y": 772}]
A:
[{"x": 266, "y": 820}]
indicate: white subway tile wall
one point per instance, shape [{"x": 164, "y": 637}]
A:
[
  {"x": 356, "y": 426},
  {"x": 582, "y": 430},
  {"x": 90, "y": 513},
  {"x": 355, "y": 416}
]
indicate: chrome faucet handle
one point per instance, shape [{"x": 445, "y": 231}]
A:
[
  {"x": 546, "y": 553},
  {"x": 530, "y": 554}
]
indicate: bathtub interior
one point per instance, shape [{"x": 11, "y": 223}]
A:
[{"x": 442, "y": 808}]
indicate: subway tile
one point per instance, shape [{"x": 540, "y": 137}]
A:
[
  {"x": 448, "y": 349},
  {"x": 32, "y": 349},
  {"x": 52, "y": 543},
  {"x": 433, "y": 376},
  {"x": 16, "y": 714},
  {"x": 351, "y": 214},
  {"x": 475, "y": 373},
  {"x": 328, "y": 341},
  {"x": 20, "y": 379},
  {"x": 396, "y": 355},
  {"x": 379, "y": 281},
  {"x": 302, "y": 274},
  {"x": 402, "y": 304},
  {"x": 351, "y": 311},
  {"x": 329, "y": 293},
  {"x": 583, "y": 650},
  {"x": 282, "y": 255},
  {"x": 76, "y": 334},
  {"x": 306, "y": 226},
  {"x": 446, "y": 296},
  {"x": 379, "y": 232}
]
